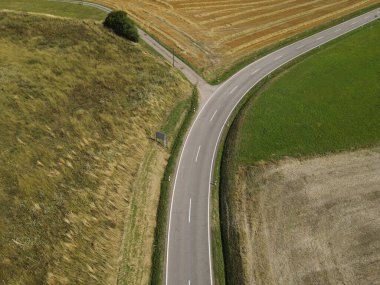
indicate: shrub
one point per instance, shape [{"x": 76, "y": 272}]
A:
[{"x": 121, "y": 25}]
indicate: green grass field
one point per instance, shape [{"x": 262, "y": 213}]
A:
[
  {"x": 78, "y": 106},
  {"x": 328, "y": 102},
  {"x": 54, "y": 8}
]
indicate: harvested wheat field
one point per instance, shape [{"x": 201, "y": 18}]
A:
[
  {"x": 314, "y": 221},
  {"x": 214, "y": 34}
]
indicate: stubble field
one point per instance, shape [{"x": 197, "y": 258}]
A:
[
  {"x": 214, "y": 34},
  {"x": 313, "y": 221}
]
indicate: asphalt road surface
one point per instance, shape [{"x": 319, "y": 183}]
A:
[
  {"x": 188, "y": 248},
  {"x": 188, "y": 260}
]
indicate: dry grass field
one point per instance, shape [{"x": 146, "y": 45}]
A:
[
  {"x": 314, "y": 221},
  {"x": 214, "y": 34},
  {"x": 79, "y": 174}
]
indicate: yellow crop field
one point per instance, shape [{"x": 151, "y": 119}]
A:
[{"x": 213, "y": 34}]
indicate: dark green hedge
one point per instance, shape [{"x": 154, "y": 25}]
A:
[{"x": 122, "y": 25}]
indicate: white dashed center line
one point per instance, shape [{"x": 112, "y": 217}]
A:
[
  {"x": 254, "y": 72},
  {"x": 338, "y": 30},
  {"x": 277, "y": 58},
  {"x": 190, "y": 216},
  {"x": 233, "y": 89},
  {"x": 196, "y": 158},
  {"x": 213, "y": 115},
  {"x": 300, "y": 47},
  {"x": 353, "y": 23},
  {"x": 320, "y": 38}
]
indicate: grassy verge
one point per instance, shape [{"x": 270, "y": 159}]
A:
[
  {"x": 138, "y": 250},
  {"x": 290, "y": 113},
  {"x": 216, "y": 234},
  {"x": 170, "y": 49},
  {"x": 222, "y": 268},
  {"x": 77, "y": 108},
  {"x": 54, "y": 8},
  {"x": 240, "y": 64},
  {"x": 158, "y": 258}
]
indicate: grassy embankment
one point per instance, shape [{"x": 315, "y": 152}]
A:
[
  {"x": 327, "y": 102},
  {"x": 78, "y": 106}
]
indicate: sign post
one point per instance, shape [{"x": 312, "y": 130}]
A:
[
  {"x": 173, "y": 57},
  {"x": 160, "y": 136}
]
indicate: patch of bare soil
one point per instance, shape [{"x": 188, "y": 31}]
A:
[{"x": 314, "y": 221}]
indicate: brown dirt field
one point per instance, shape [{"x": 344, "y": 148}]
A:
[
  {"x": 314, "y": 221},
  {"x": 214, "y": 34}
]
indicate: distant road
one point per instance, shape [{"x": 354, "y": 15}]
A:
[{"x": 188, "y": 259}]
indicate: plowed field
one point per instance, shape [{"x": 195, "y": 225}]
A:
[
  {"x": 314, "y": 221},
  {"x": 214, "y": 34}
]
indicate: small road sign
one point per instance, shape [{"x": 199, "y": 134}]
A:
[{"x": 160, "y": 136}]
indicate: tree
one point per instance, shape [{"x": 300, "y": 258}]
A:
[{"x": 122, "y": 25}]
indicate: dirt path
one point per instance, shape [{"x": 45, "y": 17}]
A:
[{"x": 315, "y": 221}]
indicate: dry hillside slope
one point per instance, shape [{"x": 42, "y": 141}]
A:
[{"x": 78, "y": 106}]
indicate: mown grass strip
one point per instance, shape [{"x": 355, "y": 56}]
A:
[
  {"x": 221, "y": 266},
  {"x": 158, "y": 257}
]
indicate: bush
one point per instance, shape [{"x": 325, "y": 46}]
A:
[{"x": 121, "y": 25}]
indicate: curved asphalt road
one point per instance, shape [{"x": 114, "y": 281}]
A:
[{"x": 188, "y": 259}]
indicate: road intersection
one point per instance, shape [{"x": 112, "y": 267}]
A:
[
  {"x": 189, "y": 258},
  {"x": 188, "y": 248}
]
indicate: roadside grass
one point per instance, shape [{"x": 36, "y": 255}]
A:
[
  {"x": 78, "y": 108},
  {"x": 137, "y": 261},
  {"x": 325, "y": 101},
  {"x": 328, "y": 102},
  {"x": 158, "y": 258},
  {"x": 54, "y": 8}
]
